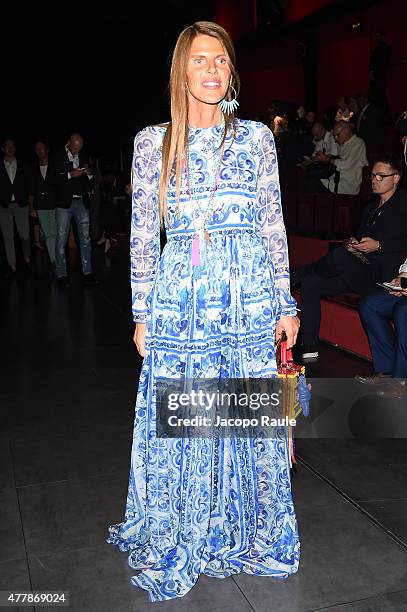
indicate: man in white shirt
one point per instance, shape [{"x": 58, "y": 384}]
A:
[
  {"x": 323, "y": 140},
  {"x": 347, "y": 177},
  {"x": 14, "y": 192},
  {"x": 315, "y": 170},
  {"x": 384, "y": 316}
]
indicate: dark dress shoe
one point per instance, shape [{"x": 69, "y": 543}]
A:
[
  {"x": 90, "y": 280},
  {"x": 309, "y": 352},
  {"x": 393, "y": 389},
  {"x": 63, "y": 281},
  {"x": 374, "y": 379}
]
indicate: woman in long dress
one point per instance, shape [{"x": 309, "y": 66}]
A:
[{"x": 210, "y": 306}]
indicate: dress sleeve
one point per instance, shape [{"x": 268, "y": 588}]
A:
[
  {"x": 145, "y": 222},
  {"x": 270, "y": 220}
]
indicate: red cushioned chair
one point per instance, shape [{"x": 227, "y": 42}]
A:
[
  {"x": 345, "y": 210},
  {"x": 306, "y": 211},
  {"x": 341, "y": 324},
  {"x": 324, "y": 209}
]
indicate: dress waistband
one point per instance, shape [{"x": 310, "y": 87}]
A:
[{"x": 189, "y": 234}]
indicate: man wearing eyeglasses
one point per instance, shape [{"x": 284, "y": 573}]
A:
[{"x": 372, "y": 256}]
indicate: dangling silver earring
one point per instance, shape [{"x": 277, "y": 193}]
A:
[{"x": 229, "y": 106}]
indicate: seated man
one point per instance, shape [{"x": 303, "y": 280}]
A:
[
  {"x": 323, "y": 140},
  {"x": 388, "y": 344},
  {"x": 372, "y": 256},
  {"x": 344, "y": 171}
]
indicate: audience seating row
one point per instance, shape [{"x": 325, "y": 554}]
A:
[
  {"x": 320, "y": 213},
  {"x": 323, "y": 213}
]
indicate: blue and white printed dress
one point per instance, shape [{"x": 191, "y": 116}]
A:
[{"x": 213, "y": 506}]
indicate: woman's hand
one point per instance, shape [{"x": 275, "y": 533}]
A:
[
  {"x": 289, "y": 325},
  {"x": 139, "y": 338}
]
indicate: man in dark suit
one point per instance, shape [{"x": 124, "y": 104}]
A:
[
  {"x": 378, "y": 67},
  {"x": 73, "y": 187},
  {"x": 372, "y": 256},
  {"x": 42, "y": 197},
  {"x": 14, "y": 191},
  {"x": 369, "y": 123}
]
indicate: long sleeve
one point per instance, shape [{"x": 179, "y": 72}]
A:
[
  {"x": 398, "y": 244},
  {"x": 354, "y": 155},
  {"x": 366, "y": 213},
  {"x": 145, "y": 223},
  {"x": 270, "y": 220},
  {"x": 331, "y": 146}
]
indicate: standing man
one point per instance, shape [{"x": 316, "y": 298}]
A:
[
  {"x": 14, "y": 191},
  {"x": 73, "y": 187},
  {"x": 369, "y": 122},
  {"x": 378, "y": 67},
  {"x": 43, "y": 196}
]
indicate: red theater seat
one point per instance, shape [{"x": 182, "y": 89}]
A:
[
  {"x": 304, "y": 250},
  {"x": 324, "y": 208},
  {"x": 341, "y": 324},
  {"x": 324, "y": 213},
  {"x": 305, "y": 211},
  {"x": 345, "y": 211}
]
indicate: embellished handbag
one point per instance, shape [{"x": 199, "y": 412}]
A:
[{"x": 296, "y": 394}]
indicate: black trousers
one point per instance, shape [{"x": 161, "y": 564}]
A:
[
  {"x": 337, "y": 272},
  {"x": 108, "y": 217}
]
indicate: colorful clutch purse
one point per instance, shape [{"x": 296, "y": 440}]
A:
[{"x": 296, "y": 394}]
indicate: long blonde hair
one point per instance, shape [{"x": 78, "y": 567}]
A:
[{"x": 176, "y": 135}]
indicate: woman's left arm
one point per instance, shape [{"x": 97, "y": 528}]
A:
[{"x": 271, "y": 223}]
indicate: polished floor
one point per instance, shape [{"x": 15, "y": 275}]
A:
[{"x": 68, "y": 373}]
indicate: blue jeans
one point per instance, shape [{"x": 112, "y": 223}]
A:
[
  {"x": 80, "y": 213},
  {"x": 388, "y": 344},
  {"x": 48, "y": 223}
]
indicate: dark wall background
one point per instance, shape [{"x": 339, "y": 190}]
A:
[
  {"x": 105, "y": 72},
  {"x": 344, "y": 52},
  {"x": 101, "y": 72}
]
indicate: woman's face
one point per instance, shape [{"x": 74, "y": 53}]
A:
[{"x": 208, "y": 71}]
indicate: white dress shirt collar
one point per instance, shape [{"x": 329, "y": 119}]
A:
[
  {"x": 11, "y": 168},
  {"x": 72, "y": 158}
]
